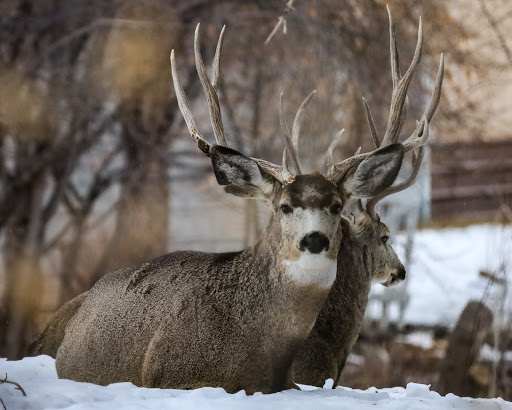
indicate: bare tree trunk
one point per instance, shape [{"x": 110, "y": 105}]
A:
[
  {"x": 23, "y": 297},
  {"x": 24, "y": 280},
  {"x": 464, "y": 345}
]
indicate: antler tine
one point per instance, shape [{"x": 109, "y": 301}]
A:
[
  {"x": 416, "y": 160},
  {"x": 216, "y": 61},
  {"x": 185, "y": 110},
  {"x": 418, "y": 137},
  {"x": 329, "y": 157},
  {"x": 209, "y": 89},
  {"x": 286, "y": 132},
  {"x": 371, "y": 124},
  {"x": 393, "y": 51},
  {"x": 436, "y": 95},
  {"x": 296, "y": 126},
  {"x": 400, "y": 84}
]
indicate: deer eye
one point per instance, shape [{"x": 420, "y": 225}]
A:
[
  {"x": 335, "y": 209},
  {"x": 384, "y": 238},
  {"x": 287, "y": 209}
]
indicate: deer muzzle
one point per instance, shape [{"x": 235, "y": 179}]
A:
[{"x": 314, "y": 242}]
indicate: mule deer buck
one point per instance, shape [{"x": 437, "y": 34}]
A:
[
  {"x": 234, "y": 320},
  {"x": 365, "y": 254}
]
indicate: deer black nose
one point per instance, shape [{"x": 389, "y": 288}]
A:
[
  {"x": 314, "y": 242},
  {"x": 401, "y": 273}
]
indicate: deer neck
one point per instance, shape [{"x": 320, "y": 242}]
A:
[
  {"x": 342, "y": 314},
  {"x": 293, "y": 298}
]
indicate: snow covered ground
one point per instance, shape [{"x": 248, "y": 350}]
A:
[
  {"x": 444, "y": 274},
  {"x": 44, "y": 390}
]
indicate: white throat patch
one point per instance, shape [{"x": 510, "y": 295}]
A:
[{"x": 311, "y": 269}]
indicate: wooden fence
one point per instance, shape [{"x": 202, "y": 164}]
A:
[{"x": 471, "y": 180}]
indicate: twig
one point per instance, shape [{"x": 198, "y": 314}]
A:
[
  {"x": 494, "y": 25},
  {"x": 281, "y": 21},
  {"x": 18, "y": 387},
  {"x": 492, "y": 277}
]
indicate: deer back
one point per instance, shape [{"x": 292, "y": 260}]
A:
[{"x": 50, "y": 339}]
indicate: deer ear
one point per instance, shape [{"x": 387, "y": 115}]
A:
[
  {"x": 240, "y": 174},
  {"x": 375, "y": 173}
]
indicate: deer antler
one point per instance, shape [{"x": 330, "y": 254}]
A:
[
  {"x": 297, "y": 122},
  {"x": 209, "y": 89},
  {"x": 420, "y": 135},
  {"x": 193, "y": 129},
  {"x": 397, "y": 110},
  {"x": 289, "y": 142},
  {"x": 293, "y": 141},
  {"x": 329, "y": 157},
  {"x": 400, "y": 84},
  {"x": 281, "y": 173},
  {"x": 369, "y": 118}
]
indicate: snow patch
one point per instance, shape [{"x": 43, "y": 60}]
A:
[
  {"x": 356, "y": 359},
  {"x": 421, "y": 339},
  {"x": 491, "y": 354},
  {"x": 445, "y": 272}
]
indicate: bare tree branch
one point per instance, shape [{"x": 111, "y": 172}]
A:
[
  {"x": 494, "y": 25},
  {"x": 281, "y": 21},
  {"x": 18, "y": 387}
]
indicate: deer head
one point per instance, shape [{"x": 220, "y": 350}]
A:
[{"x": 306, "y": 207}]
